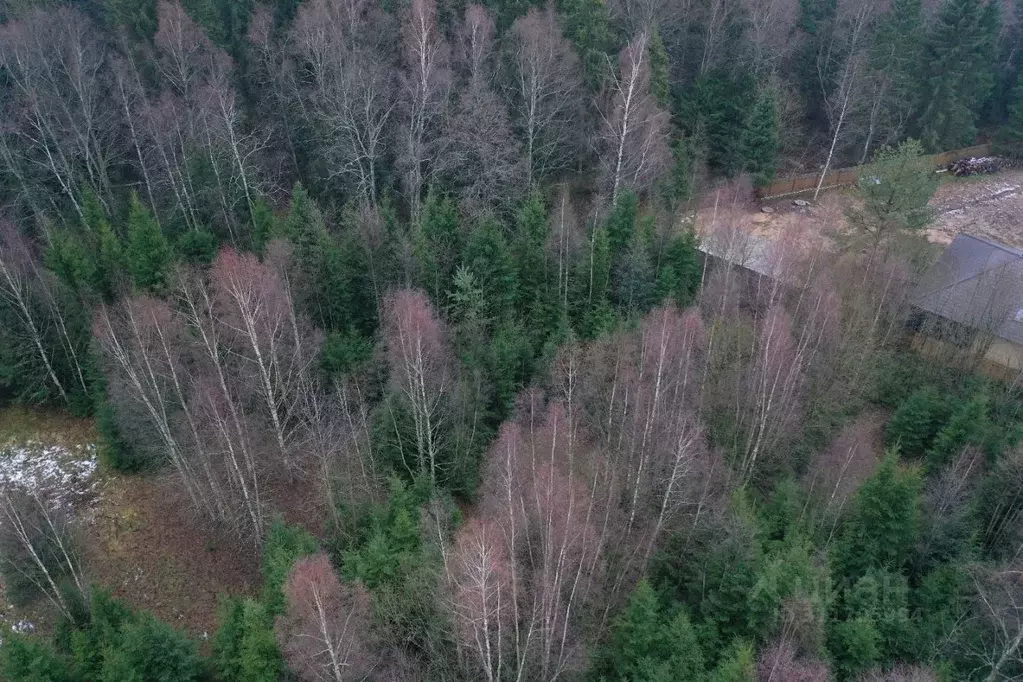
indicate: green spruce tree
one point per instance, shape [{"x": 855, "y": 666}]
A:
[
  {"x": 1010, "y": 137},
  {"x": 437, "y": 245},
  {"x": 882, "y": 527},
  {"x": 958, "y": 73},
  {"x": 660, "y": 75},
  {"x": 149, "y": 255},
  {"x": 760, "y": 138}
]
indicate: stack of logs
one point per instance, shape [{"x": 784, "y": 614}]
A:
[{"x": 975, "y": 165}]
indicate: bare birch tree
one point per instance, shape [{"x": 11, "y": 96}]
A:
[
  {"x": 38, "y": 545},
  {"x": 633, "y": 144},
  {"x": 546, "y": 90},
  {"x": 480, "y": 158},
  {"x": 260, "y": 328},
  {"x": 840, "y": 69},
  {"x": 425, "y": 81},
  {"x": 57, "y": 65},
  {"x": 421, "y": 371},
  {"x": 350, "y": 95},
  {"x": 31, "y": 293},
  {"x": 325, "y": 632}
]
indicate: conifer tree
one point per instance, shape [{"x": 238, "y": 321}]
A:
[
  {"x": 306, "y": 229},
  {"x": 149, "y": 254},
  {"x": 649, "y": 647},
  {"x": 587, "y": 24},
  {"x": 437, "y": 245},
  {"x": 108, "y": 262},
  {"x": 530, "y": 255},
  {"x": 895, "y": 188},
  {"x": 621, "y": 224},
  {"x": 636, "y": 276},
  {"x": 660, "y": 75},
  {"x": 489, "y": 258},
  {"x": 883, "y": 524},
  {"x": 737, "y": 665},
  {"x": 966, "y": 425},
  {"x": 679, "y": 275},
  {"x": 958, "y": 72},
  {"x": 536, "y": 297},
  {"x": 760, "y": 139},
  {"x": 322, "y": 279},
  {"x": 264, "y": 224},
  {"x": 916, "y": 421},
  {"x": 1010, "y": 138},
  {"x": 68, "y": 259},
  {"x": 590, "y": 306}
]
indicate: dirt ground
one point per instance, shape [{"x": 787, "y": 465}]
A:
[
  {"x": 143, "y": 546},
  {"x": 989, "y": 206},
  {"x": 137, "y": 541}
]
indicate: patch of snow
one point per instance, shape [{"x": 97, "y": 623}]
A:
[
  {"x": 61, "y": 474},
  {"x": 23, "y": 626}
]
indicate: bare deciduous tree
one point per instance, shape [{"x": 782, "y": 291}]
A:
[
  {"x": 350, "y": 93},
  {"x": 778, "y": 662},
  {"x": 219, "y": 385},
  {"x": 257, "y": 316},
  {"x": 325, "y": 633},
  {"x": 546, "y": 91},
  {"x": 38, "y": 544},
  {"x": 999, "y": 609},
  {"x": 480, "y": 158},
  {"x": 57, "y": 64},
  {"x": 537, "y": 492},
  {"x": 480, "y": 572},
  {"x": 425, "y": 81},
  {"x": 769, "y": 29},
  {"x": 421, "y": 370},
  {"x": 900, "y": 673},
  {"x": 840, "y": 86},
  {"x": 31, "y": 293},
  {"x": 633, "y": 140}
]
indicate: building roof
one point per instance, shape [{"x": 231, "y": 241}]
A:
[
  {"x": 740, "y": 248},
  {"x": 978, "y": 283}
]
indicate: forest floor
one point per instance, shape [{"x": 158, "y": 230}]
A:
[{"x": 137, "y": 539}]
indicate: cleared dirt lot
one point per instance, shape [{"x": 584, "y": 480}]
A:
[{"x": 989, "y": 206}]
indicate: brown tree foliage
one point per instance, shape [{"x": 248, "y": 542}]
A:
[
  {"x": 421, "y": 370},
  {"x": 778, "y": 662},
  {"x": 325, "y": 632},
  {"x": 219, "y": 386}
]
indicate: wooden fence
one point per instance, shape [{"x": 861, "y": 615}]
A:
[{"x": 843, "y": 177}]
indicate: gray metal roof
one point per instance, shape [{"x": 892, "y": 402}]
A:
[
  {"x": 978, "y": 283},
  {"x": 741, "y": 248}
]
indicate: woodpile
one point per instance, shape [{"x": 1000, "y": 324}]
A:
[{"x": 975, "y": 165}]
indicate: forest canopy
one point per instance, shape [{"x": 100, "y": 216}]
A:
[{"x": 410, "y": 303}]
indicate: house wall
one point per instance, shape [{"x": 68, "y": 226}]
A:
[{"x": 1001, "y": 360}]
